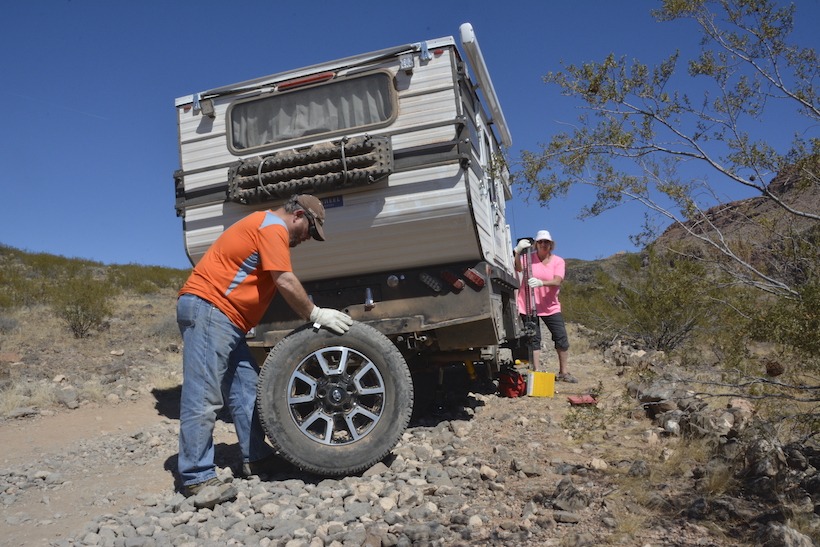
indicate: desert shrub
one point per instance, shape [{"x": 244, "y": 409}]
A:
[
  {"x": 146, "y": 279},
  {"x": 581, "y": 421},
  {"x": 653, "y": 299},
  {"x": 9, "y": 291},
  {"x": 724, "y": 333},
  {"x": 51, "y": 266},
  {"x": 19, "y": 289},
  {"x": 27, "y": 279},
  {"x": 589, "y": 304},
  {"x": 83, "y": 302},
  {"x": 794, "y": 323},
  {"x": 665, "y": 300}
]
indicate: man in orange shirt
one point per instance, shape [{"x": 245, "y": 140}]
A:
[{"x": 225, "y": 296}]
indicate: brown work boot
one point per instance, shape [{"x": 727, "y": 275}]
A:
[
  {"x": 210, "y": 492},
  {"x": 265, "y": 467}
]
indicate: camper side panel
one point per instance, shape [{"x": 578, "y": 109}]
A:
[{"x": 420, "y": 215}]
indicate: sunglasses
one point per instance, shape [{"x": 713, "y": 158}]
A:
[
  {"x": 314, "y": 233},
  {"x": 544, "y": 241}
]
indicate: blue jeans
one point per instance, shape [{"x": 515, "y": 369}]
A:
[{"x": 216, "y": 366}]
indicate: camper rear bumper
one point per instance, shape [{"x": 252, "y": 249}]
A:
[{"x": 447, "y": 307}]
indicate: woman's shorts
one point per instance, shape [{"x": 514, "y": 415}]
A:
[{"x": 557, "y": 328}]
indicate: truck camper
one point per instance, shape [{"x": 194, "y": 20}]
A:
[{"x": 405, "y": 148}]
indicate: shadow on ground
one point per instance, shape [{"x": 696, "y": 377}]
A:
[
  {"x": 445, "y": 393},
  {"x": 167, "y": 401}
]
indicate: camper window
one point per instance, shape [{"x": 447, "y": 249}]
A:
[{"x": 338, "y": 106}]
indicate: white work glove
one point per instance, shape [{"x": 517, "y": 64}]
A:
[
  {"x": 334, "y": 320},
  {"x": 523, "y": 244},
  {"x": 534, "y": 282}
]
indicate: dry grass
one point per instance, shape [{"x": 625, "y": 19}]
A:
[
  {"x": 92, "y": 391},
  {"x": 165, "y": 377},
  {"x": 37, "y": 327},
  {"x": 11, "y": 399},
  {"x": 43, "y": 394},
  {"x": 670, "y": 465},
  {"x": 141, "y": 336},
  {"x": 630, "y": 525},
  {"x": 38, "y": 394},
  {"x": 638, "y": 489},
  {"x": 682, "y": 455},
  {"x": 689, "y": 453},
  {"x": 719, "y": 481},
  {"x": 806, "y": 524}
]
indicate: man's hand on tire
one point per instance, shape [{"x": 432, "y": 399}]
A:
[{"x": 332, "y": 319}]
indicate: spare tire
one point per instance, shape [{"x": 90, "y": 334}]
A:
[{"x": 333, "y": 404}]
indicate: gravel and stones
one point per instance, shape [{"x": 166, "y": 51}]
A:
[{"x": 480, "y": 475}]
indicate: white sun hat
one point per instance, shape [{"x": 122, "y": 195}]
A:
[{"x": 542, "y": 235}]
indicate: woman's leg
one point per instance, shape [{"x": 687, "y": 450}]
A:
[{"x": 557, "y": 327}]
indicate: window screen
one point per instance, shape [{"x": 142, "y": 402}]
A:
[{"x": 334, "y": 107}]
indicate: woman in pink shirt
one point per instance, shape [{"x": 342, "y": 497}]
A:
[{"x": 547, "y": 272}]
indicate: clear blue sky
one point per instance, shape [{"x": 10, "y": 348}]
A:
[{"x": 88, "y": 142}]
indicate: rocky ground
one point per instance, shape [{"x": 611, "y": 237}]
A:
[{"x": 476, "y": 469}]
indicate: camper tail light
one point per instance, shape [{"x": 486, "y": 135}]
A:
[
  {"x": 431, "y": 281},
  {"x": 475, "y": 278},
  {"x": 452, "y": 279},
  {"x": 305, "y": 80}
]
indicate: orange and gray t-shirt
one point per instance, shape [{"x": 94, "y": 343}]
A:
[{"x": 234, "y": 275}]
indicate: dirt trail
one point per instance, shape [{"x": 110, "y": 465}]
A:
[
  {"x": 92, "y": 448},
  {"x": 24, "y": 437},
  {"x": 41, "y": 516}
]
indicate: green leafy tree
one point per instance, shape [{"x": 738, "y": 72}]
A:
[{"x": 640, "y": 132}]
